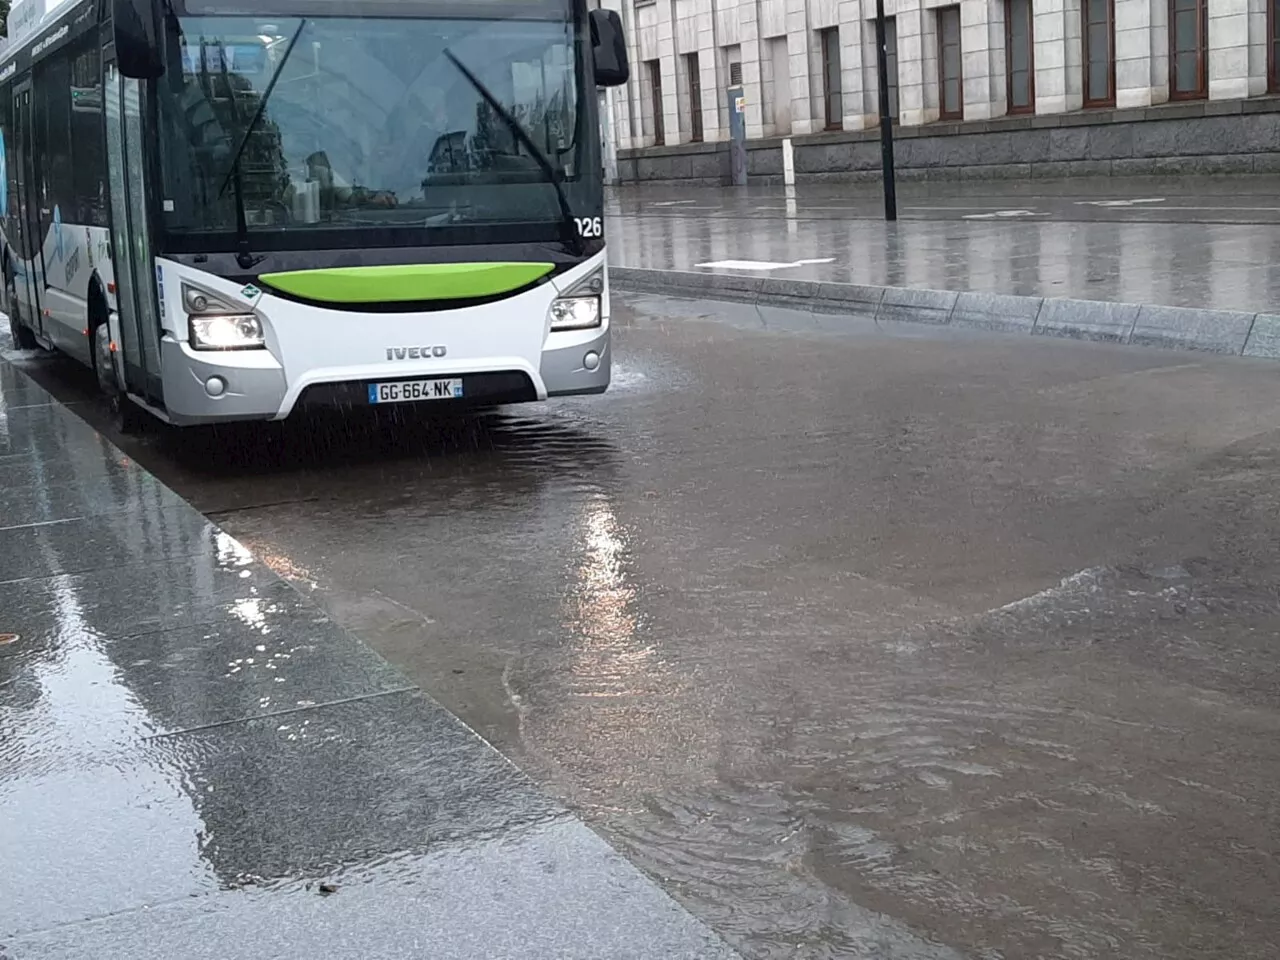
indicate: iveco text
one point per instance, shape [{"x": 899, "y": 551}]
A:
[{"x": 415, "y": 353}]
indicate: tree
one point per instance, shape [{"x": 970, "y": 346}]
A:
[{"x": 4, "y": 18}]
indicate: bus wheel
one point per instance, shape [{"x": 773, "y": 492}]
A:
[
  {"x": 103, "y": 362},
  {"x": 129, "y": 417},
  {"x": 23, "y": 338}
]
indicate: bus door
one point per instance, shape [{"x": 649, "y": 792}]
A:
[
  {"x": 131, "y": 258},
  {"x": 27, "y": 264}
]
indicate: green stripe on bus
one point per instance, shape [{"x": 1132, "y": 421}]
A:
[{"x": 407, "y": 282}]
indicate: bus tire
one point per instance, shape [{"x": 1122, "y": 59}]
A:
[
  {"x": 104, "y": 365},
  {"x": 127, "y": 416},
  {"x": 23, "y": 338}
]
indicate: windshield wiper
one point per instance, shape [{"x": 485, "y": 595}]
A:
[
  {"x": 567, "y": 222},
  {"x": 244, "y": 257}
]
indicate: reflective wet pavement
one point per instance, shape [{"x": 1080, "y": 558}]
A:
[
  {"x": 926, "y": 644},
  {"x": 1237, "y": 199},
  {"x": 1055, "y": 243},
  {"x": 196, "y": 761}
]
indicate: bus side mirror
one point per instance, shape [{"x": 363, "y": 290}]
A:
[
  {"x": 133, "y": 27},
  {"x": 609, "y": 47}
]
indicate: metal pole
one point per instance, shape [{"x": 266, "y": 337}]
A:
[{"x": 886, "y": 121}]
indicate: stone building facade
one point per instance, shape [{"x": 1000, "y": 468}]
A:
[{"x": 978, "y": 87}]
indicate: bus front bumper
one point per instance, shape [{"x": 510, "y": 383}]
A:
[
  {"x": 213, "y": 387},
  {"x": 217, "y": 386}
]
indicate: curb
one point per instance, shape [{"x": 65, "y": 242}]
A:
[{"x": 1226, "y": 332}]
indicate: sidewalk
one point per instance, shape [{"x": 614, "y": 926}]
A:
[
  {"x": 1092, "y": 278},
  {"x": 197, "y": 763}
]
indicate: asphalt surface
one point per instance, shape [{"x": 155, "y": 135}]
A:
[
  {"x": 1106, "y": 200},
  {"x": 884, "y": 643},
  {"x": 1208, "y": 244}
]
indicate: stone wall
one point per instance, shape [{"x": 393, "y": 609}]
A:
[{"x": 1201, "y": 137}]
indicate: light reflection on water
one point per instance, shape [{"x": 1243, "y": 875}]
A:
[{"x": 600, "y": 610}]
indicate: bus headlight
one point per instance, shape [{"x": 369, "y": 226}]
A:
[
  {"x": 575, "y": 313},
  {"x": 234, "y": 332}
]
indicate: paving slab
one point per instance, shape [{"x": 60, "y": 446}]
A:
[
  {"x": 202, "y": 588},
  {"x": 1086, "y": 320},
  {"x": 18, "y": 391},
  {"x": 916, "y": 306},
  {"x": 1264, "y": 337},
  {"x": 31, "y": 494},
  {"x": 1215, "y": 331},
  {"x": 850, "y": 299},
  {"x": 995, "y": 311},
  {"x": 552, "y": 891},
  {"x": 784, "y": 292},
  {"x": 252, "y": 657},
  {"x": 79, "y": 544},
  {"x": 49, "y": 432}
]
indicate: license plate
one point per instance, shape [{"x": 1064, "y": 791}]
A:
[{"x": 409, "y": 391}]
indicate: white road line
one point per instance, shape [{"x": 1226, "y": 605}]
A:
[
  {"x": 759, "y": 264},
  {"x": 1119, "y": 203},
  {"x": 1002, "y": 215}
]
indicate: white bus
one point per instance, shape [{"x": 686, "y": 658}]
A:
[{"x": 236, "y": 210}]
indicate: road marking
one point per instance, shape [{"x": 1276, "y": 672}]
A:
[
  {"x": 1239, "y": 209},
  {"x": 760, "y": 264},
  {"x": 41, "y": 523},
  {"x": 672, "y": 203},
  {"x": 1001, "y": 215},
  {"x": 1119, "y": 203}
]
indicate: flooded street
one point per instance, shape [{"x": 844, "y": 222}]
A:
[{"x": 864, "y": 644}]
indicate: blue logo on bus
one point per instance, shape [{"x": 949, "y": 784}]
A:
[
  {"x": 4, "y": 179},
  {"x": 57, "y": 232}
]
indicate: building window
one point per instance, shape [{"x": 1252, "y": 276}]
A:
[
  {"x": 1188, "y": 53},
  {"x": 695, "y": 97},
  {"x": 1019, "y": 49},
  {"x": 655, "y": 95},
  {"x": 1099, "y": 53},
  {"x": 950, "y": 80},
  {"x": 831, "y": 78}
]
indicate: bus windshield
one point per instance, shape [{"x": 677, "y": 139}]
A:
[{"x": 362, "y": 123}]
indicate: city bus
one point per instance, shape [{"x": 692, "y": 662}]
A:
[{"x": 235, "y": 211}]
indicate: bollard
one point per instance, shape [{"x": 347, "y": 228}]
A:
[{"x": 788, "y": 162}]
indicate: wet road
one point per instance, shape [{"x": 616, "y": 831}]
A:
[
  {"x": 1231, "y": 200},
  {"x": 882, "y": 645},
  {"x": 1152, "y": 242}
]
